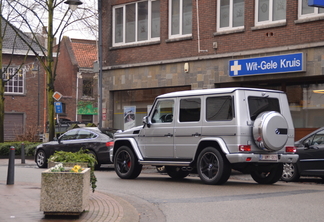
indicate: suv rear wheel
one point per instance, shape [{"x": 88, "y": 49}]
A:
[
  {"x": 126, "y": 163},
  {"x": 267, "y": 175},
  {"x": 212, "y": 167}
]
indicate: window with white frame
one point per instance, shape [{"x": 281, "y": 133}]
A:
[
  {"x": 14, "y": 80},
  {"x": 230, "y": 14},
  {"x": 270, "y": 11},
  {"x": 305, "y": 11},
  {"x": 136, "y": 22},
  {"x": 180, "y": 18}
]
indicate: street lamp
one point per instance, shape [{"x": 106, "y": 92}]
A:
[{"x": 73, "y": 4}]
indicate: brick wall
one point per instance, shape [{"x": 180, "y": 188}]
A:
[
  {"x": 251, "y": 38},
  {"x": 32, "y": 102}
]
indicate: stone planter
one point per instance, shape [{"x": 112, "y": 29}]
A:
[{"x": 65, "y": 193}]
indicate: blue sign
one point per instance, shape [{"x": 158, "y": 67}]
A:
[
  {"x": 58, "y": 107},
  {"x": 316, "y": 3},
  {"x": 267, "y": 65}
]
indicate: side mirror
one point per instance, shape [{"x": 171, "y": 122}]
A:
[{"x": 147, "y": 122}]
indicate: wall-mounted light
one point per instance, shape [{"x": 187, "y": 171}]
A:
[
  {"x": 186, "y": 67},
  {"x": 318, "y": 91}
]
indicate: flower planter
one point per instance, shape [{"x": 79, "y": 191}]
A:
[{"x": 65, "y": 193}]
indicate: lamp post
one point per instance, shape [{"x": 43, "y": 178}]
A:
[{"x": 49, "y": 63}]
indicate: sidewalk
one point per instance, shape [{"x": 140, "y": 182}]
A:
[{"x": 21, "y": 202}]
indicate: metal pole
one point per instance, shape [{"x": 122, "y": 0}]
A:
[
  {"x": 22, "y": 153},
  {"x": 11, "y": 167},
  {"x": 100, "y": 64}
]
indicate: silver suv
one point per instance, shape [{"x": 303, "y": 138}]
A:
[{"x": 211, "y": 132}]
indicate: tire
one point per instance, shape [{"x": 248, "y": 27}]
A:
[
  {"x": 97, "y": 165},
  {"x": 41, "y": 159},
  {"x": 267, "y": 175},
  {"x": 270, "y": 131},
  {"x": 212, "y": 167},
  {"x": 126, "y": 163},
  {"x": 290, "y": 172},
  {"x": 176, "y": 172}
]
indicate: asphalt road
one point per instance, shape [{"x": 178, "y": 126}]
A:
[{"x": 158, "y": 198}]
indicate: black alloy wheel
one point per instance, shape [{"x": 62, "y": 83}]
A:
[
  {"x": 212, "y": 167},
  {"x": 126, "y": 163}
]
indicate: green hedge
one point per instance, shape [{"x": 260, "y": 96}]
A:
[{"x": 29, "y": 148}]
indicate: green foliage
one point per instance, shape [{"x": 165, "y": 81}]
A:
[
  {"x": 29, "y": 148},
  {"x": 77, "y": 157}
]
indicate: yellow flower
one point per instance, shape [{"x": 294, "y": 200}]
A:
[{"x": 76, "y": 169}]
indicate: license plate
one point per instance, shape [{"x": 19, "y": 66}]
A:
[{"x": 272, "y": 157}]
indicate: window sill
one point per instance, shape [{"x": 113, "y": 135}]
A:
[
  {"x": 229, "y": 32},
  {"x": 309, "y": 19},
  {"x": 268, "y": 26},
  {"x": 179, "y": 39},
  {"x": 134, "y": 45}
]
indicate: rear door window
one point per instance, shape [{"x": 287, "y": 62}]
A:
[
  {"x": 219, "y": 108},
  {"x": 258, "y": 105}
]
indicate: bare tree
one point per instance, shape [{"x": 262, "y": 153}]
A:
[{"x": 31, "y": 16}]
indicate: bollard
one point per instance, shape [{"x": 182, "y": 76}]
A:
[
  {"x": 22, "y": 153},
  {"x": 11, "y": 167}
]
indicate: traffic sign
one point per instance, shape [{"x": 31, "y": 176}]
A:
[
  {"x": 58, "y": 107},
  {"x": 57, "y": 96}
]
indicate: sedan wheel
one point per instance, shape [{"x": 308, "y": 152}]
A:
[
  {"x": 290, "y": 172},
  {"x": 41, "y": 159}
]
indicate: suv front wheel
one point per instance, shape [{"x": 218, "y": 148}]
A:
[
  {"x": 126, "y": 163},
  {"x": 212, "y": 167}
]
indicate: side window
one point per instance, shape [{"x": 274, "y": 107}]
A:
[
  {"x": 190, "y": 110},
  {"x": 316, "y": 139},
  {"x": 270, "y": 11},
  {"x": 219, "y": 108},
  {"x": 163, "y": 112},
  {"x": 258, "y": 105},
  {"x": 70, "y": 135},
  {"x": 230, "y": 14},
  {"x": 84, "y": 134}
]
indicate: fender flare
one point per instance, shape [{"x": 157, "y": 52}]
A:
[
  {"x": 133, "y": 143},
  {"x": 219, "y": 140}
]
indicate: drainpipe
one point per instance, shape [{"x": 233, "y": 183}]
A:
[{"x": 197, "y": 9}]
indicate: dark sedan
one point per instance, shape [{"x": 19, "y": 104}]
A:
[
  {"x": 311, "y": 157},
  {"x": 99, "y": 142}
]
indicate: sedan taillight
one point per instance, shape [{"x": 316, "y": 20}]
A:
[{"x": 110, "y": 143}]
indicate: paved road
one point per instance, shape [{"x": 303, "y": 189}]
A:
[{"x": 155, "y": 197}]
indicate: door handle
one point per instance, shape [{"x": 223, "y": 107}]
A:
[
  {"x": 168, "y": 135},
  {"x": 196, "y": 135}
]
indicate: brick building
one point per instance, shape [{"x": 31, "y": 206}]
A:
[
  {"x": 24, "y": 88},
  {"x": 151, "y": 47},
  {"x": 77, "y": 81}
]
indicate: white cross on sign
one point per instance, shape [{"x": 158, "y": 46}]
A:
[{"x": 236, "y": 67}]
